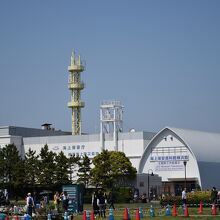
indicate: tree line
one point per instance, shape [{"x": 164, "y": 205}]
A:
[{"x": 49, "y": 169}]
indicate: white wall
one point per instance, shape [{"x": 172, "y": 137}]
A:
[
  {"x": 133, "y": 149},
  {"x": 165, "y": 156}
]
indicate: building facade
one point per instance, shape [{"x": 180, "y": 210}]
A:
[{"x": 179, "y": 157}]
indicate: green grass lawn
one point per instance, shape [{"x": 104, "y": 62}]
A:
[{"x": 159, "y": 212}]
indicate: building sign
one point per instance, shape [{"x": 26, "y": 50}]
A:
[
  {"x": 169, "y": 166},
  {"x": 169, "y": 158},
  {"x": 75, "y": 150}
]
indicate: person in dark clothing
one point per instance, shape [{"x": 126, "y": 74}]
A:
[
  {"x": 30, "y": 204},
  {"x": 111, "y": 200},
  {"x": 94, "y": 203},
  {"x": 101, "y": 204},
  {"x": 214, "y": 195},
  {"x": 65, "y": 201}
]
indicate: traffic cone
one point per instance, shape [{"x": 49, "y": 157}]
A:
[
  {"x": 27, "y": 217},
  {"x": 200, "y": 208},
  {"x": 186, "y": 212},
  {"x": 65, "y": 216},
  {"x": 137, "y": 214},
  {"x": 141, "y": 213},
  {"x": 129, "y": 216},
  {"x": 84, "y": 215},
  {"x": 152, "y": 213},
  {"x": 92, "y": 215},
  {"x": 213, "y": 209},
  {"x": 174, "y": 212},
  {"x": 126, "y": 214},
  {"x": 48, "y": 217},
  {"x": 87, "y": 215},
  {"x": 168, "y": 212},
  {"x": 111, "y": 216}
]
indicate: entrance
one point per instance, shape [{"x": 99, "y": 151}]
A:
[
  {"x": 175, "y": 188},
  {"x": 179, "y": 186}
]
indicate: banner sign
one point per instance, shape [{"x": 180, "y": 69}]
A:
[{"x": 169, "y": 158}]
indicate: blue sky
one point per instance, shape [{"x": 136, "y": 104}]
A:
[{"x": 161, "y": 59}]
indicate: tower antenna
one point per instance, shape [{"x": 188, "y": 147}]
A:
[{"x": 75, "y": 86}]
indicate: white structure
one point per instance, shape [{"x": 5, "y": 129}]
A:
[
  {"x": 163, "y": 153},
  {"x": 111, "y": 121},
  {"x": 171, "y": 147}
]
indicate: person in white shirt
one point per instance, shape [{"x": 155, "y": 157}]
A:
[{"x": 184, "y": 197}]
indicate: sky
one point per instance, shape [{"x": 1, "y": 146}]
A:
[{"x": 160, "y": 58}]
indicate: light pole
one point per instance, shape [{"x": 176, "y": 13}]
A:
[
  {"x": 184, "y": 163},
  {"x": 148, "y": 183}
]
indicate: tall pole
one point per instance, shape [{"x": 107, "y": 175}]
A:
[
  {"x": 148, "y": 183},
  {"x": 184, "y": 162}
]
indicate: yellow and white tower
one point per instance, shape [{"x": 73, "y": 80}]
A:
[{"x": 75, "y": 86}]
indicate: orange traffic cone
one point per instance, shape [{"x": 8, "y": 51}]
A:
[
  {"x": 174, "y": 212},
  {"x": 137, "y": 214},
  {"x": 92, "y": 215},
  {"x": 186, "y": 212},
  {"x": 200, "y": 208},
  {"x": 15, "y": 217},
  {"x": 126, "y": 214},
  {"x": 84, "y": 215},
  {"x": 213, "y": 209}
]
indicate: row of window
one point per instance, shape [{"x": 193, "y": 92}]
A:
[{"x": 171, "y": 138}]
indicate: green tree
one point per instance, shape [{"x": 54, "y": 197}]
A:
[
  {"x": 61, "y": 173},
  {"x": 84, "y": 171},
  {"x": 2, "y": 170},
  {"x": 31, "y": 164},
  {"x": 46, "y": 166},
  {"x": 109, "y": 167},
  {"x": 12, "y": 168}
]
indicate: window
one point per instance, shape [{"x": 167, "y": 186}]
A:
[{"x": 141, "y": 184}]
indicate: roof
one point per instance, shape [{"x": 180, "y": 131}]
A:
[{"x": 205, "y": 145}]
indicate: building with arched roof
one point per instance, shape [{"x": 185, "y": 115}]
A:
[
  {"x": 162, "y": 153},
  {"x": 183, "y": 157}
]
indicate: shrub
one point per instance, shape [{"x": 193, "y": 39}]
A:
[{"x": 193, "y": 199}]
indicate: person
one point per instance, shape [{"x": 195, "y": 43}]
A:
[
  {"x": 111, "y": 200},
  {"x": 56, "y": 199},
  {"x": 30, "y": 204},
  {"x": 94, "y": 203},
  {"x": 35, "y": 199},
  {"x": 144, "y": 198},
  {"x": 184, "y": 197},
  {"x": 214, "y": 196},
  {"x": 102, "y": 204},
  {"x": 65, "y": 201}
]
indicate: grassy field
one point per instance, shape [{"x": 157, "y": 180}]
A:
[{"x": 160, "y": 213}]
